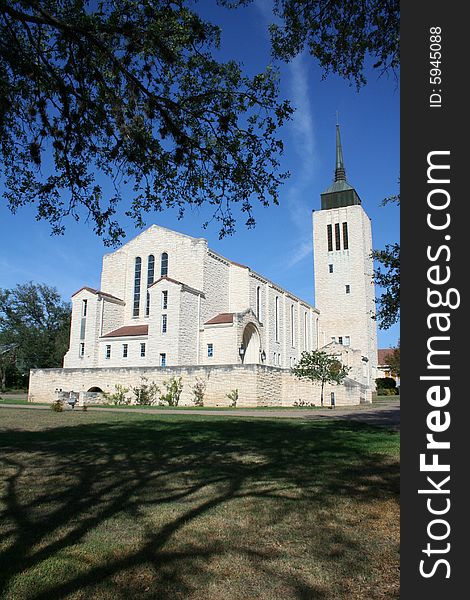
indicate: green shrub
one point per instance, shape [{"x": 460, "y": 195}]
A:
[
  {"x": 384, "y": 383},
  {"x": 199, "y": 390},
  {"x": 304, "y": 404},
  {"x": 233, "y": 396},
  {"x": 118, "y": 397},
  {"x": 146, "y": 393},
  {"x": 174, "y": 387},
  {"x": 57, "y": 405},
  {"x": 388, "y": 392}
]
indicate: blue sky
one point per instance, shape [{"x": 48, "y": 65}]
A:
[{"x": 280, "y": 247}]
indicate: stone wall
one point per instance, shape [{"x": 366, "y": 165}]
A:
[
  {"x": 346, "y": 312},
  {"x": 257, "y": 385}
]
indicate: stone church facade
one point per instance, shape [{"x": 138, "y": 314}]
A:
[{"x": 168, "y": 306}]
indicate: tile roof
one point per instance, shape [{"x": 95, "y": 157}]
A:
[
  {"x": 128, "y": 330},
  {"x": 383, "y": 355},
  {"x": 221, "y": 318}
]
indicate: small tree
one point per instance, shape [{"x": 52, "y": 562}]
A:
[
  {"x": 146, "y": 393},
  {"x": 118, "y": 397},
  {"x": 320, "y": 366},
  {"x": 199, "y": 391},
  {"x": 233, "y": 397},
  {"x": 174, "y": 387},
  {"x": 393, "y": 360}
]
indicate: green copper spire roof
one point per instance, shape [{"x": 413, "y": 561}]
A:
[
  {"x": 340, "y": 172},
  {"x": 340, "y": 193}
]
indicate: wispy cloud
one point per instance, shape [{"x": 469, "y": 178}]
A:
[
  {"x": 302, "y": 142},
  {"x": 303, "y": 250},
  {"x": 303, "y": 138},
  {"x": 302, "y": 123}
]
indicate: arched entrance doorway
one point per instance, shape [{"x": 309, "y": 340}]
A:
[
  {"x": 252, "y": 344},
  {"x": 95, "y": 389}
]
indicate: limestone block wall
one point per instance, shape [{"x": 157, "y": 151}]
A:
[
  {"x": 185, "y": 263},
  {"x": 345, "y": 313},
  {"x": 117, "y": 358},
  {"x": 239, "y": 288},
  {"x": 161, "y": 342},
  {"x": 257, "y": 385},
  {"x": 188, "y": 345},
  {"x": 84, "y": 329},
  {"x": 113, "y": 316},
  {"x": 223, "y": 338},
  {"x": 114, "y": 273},
  {"x": 216, "y": 287}
]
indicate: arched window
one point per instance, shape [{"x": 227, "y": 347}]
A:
[
  {"x": 137, "y": 278},
  {"x": 258, "y": 303},
  {"x": 164, "y": 265},
  {"x": 150, "y": 277}
]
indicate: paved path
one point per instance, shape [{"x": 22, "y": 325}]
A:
[{"x": 385, "y": 413}]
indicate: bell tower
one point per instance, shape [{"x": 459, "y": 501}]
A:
[{"x": 344, "y": 286}]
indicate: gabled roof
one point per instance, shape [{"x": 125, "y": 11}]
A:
[
  {"x": 220, "y": 318},
  {"x": 185, "y": 287},
  {"x": 128, "y": 331},
  {"x": 97, "y": 293}
]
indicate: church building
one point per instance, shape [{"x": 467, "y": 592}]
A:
[{"x": 169, "y": 305}]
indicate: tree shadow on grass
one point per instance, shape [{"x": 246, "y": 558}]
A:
[{"x": 188, "y": 508}]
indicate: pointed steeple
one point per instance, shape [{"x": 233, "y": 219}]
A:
[
  {"x": 340, "y": 193},
  {"x": 340, "y": 172}
]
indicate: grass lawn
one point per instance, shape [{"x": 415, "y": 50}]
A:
[{"x": 190, "y": 507}]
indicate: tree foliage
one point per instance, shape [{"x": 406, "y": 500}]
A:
[
  {"x": 36, "y": 321},
  {"x": 340, "y": 34},
  {"x": 394, "y": 360},
  {"x": 100, "y": 97},
  {"x": 387, "y": 275},
  {"x": 318, "y": 366}
]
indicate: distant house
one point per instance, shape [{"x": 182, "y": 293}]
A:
[{"x": 383, "y": 366}]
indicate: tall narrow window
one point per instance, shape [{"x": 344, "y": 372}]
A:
[
  {"x": 329, "y": 234},
  {"x": 108, "y": 351},
  {"x": 345, "y": 236},
  {"x": 330, "y": 268},
  {"x": 292, "y": 325},
  {"x": 258, "y": 303},
  {"x": 163, "y": 359},
  {"x": 164, "y": 265},
  {"x": 347, "y": 340},
  {"x": 165, "y": 299},
  {"x": 348, "y": 289},
  {"x": 210, "y": 350},
  {"x": 82, "y": 349},
  {"x": 150, "y": 278},
  {"x": 305, "y": 332},
  {"x": 164, "y": 323},
  {"x": 277, "y": 319},
  {"x": 337, "y": 238},
  {"x": 137, "y": 278},
  {"x": 83, "y": 319},
  {"x": 125, "y": 349},
  {"x": 142, "y": 349},
  {"x": 340, "y": 340}
]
